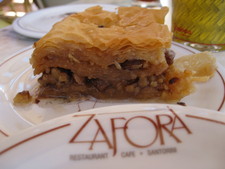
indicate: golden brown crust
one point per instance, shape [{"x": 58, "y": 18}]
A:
[{"x": 144, "y": 29}]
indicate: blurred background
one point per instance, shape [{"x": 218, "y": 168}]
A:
[{"x": 11, "y": 9}]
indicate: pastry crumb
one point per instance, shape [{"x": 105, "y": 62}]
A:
[
  {"x": 23, "y": 97},
  {"x": 181, "y": 103}
]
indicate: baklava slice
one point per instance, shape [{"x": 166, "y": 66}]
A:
[{"x": 110, "y": 55}]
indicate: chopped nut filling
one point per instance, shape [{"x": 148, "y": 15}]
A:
[{"x": 56, "y": 79}]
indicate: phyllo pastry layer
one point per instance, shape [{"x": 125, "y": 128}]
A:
[{"x": 111, "y": 55}]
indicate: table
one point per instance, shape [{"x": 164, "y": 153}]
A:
[{"x": 11, "y": 42}]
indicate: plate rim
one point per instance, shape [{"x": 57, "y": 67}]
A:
[
  {"x": 140, "y": 106},
  {"x": 17, "y": 27}
]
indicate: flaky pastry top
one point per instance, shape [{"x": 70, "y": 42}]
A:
[{"x": 129, "y": 26}]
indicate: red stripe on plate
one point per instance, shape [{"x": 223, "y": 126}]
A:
[
  {"x": 223, "y": 100},
  {"x": 206, "y": 119},
  {"x": 4, "y": 133},
  {"x": 32, "y": 137}
]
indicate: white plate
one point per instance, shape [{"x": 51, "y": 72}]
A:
[
  {"x": 17, "y": 75},
  {"x": 37, "y": 24},
  {"x": 122, "y": 137}
]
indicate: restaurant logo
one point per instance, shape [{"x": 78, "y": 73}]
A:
[{"x": 157, "y": 128}]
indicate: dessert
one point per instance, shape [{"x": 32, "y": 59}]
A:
[{"x": 115, "y": 55}]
